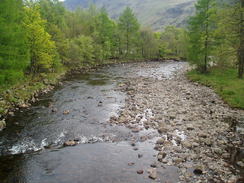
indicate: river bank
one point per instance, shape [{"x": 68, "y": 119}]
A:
[{"x": 197, "y": 128}]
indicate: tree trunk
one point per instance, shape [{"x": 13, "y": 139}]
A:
[
  {"x": 241, "y": 49},
  {"x": 205, "y": 68}
]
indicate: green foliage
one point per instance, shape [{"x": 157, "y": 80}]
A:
[
  {"x": 173, "y": 42},
  {"x": 13, "y": 50},
  {"x": 81, "y": 51},
  {"x": 43, "y": 53},
  {"x": 224, "y": 82},
  {"x": 128, "y": 28},
  {"x": 201, "y": 31}
]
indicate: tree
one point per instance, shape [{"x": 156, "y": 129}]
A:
[
  {"x": 81, "y": 51},
  {"x": 129, "y": 27},
  {"x": 241, "y": 37},
  {"x": 174, "y": 40},
  {"x": 201, "y": 29},
  {"x": 149, "y": 44},
  {"x": 13, "y": 49},
  {"x": 105, "y": 29},
  {"x": 43, "y": 54}
]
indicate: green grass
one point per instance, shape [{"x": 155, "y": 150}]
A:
[{"x": 224, "y": 82}]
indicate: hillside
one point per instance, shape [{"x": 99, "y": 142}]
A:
[{"x": 156, "y": 13}]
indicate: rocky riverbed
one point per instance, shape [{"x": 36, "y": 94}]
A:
[{"x": 197, "y": 129}]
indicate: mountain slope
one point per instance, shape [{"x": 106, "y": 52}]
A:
[{"x": 154, "y": 13}]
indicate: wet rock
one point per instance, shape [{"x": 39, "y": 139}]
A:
[
  {"x": 11, "y": 114},
  {"x": 135, "y": 130},
  {"x": 133, "y": 144},
  {"x": 140, "y": 171},
  {"x": 131, "y": 164},
  {"x": 66, "y": 112},
  {"x": 135, "y": 149},
  {"x": 54, "y": 110},
  {"x": 2, "y": 124},
  {"x": 154, "y": 165},
  {"x": 152, "y": 173},
  {"x": 70, "y": 143},
  {"x": 140, "y": 155},
  {"x": 100, "y": 104}
]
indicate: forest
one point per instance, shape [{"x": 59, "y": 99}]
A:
[{"x": 39, "y": 38}]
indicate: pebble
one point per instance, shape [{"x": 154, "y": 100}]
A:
[{"x": 140, "y": 171}]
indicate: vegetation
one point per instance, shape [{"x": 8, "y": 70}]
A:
[
  {"x": 224, "y": 82},
  {"x": 216, "y": 35}
]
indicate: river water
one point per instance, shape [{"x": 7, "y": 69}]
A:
[{"x": 31, "y": 147}]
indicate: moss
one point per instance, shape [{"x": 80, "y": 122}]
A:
[{"x": 225, "y": 83}]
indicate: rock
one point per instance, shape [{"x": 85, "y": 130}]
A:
[
  {"x": 186, "y": 144},
  {"x": 11, "y": 114},
  {"x": 143, "y": 138},
  {"x": 131, "y": 164},
  {"x": 160, "y": 141},
  {"x": 54, "y": 110},
  {"x": 140, "y": 155},
  {"x": 24, "y": 106},
  {"x": 135, "y": 149},
  {"x": 100, "y": 104},
  {"x": 203, "y": 135},
  {"x": 178, "y": 160},
  {"x": 140, "y": 171},
  {"x": 161, "y": 156},
  {"x": 189, "y": 127},
  {"x": 162, "y": 130},
  {"x": 154, "y": 165},
  {"x": 152, "y": 173},
  {"x": 133, "y": 144},
  {"x": 2, "y": 124},
  {"x": 70, "y": 143},
  {"x": 66, "y": 112},
  {"x": 240, "y": 164},
  {"x": 194, "y": 144},
  {"x": 217, "y": 151},
  {"x": 135, "y": 130}
]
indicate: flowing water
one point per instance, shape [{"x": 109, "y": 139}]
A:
[{"x": 31, "y": 147}]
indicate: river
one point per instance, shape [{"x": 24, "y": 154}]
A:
[{"x": 31, "y": 147}]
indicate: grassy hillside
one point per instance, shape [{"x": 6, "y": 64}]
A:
[{"x": 155, "y": 13}]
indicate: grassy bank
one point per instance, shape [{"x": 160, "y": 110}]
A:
[
  {"x": 18, "y": 95},
  {"x": 224, "y": 82}
]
